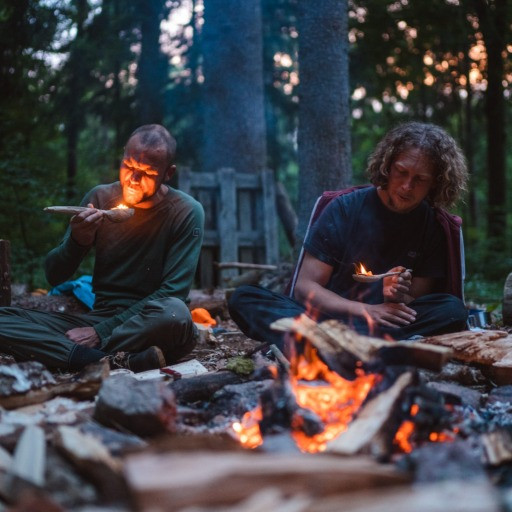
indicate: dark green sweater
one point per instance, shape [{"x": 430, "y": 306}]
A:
[{"x": 152, "y": 255}]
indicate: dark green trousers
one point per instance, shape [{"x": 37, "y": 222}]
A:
[{"x": 40, "y": 336}]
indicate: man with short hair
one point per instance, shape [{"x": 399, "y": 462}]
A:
[
  {"x": 389, "y": 227},
  {"x": 143, "y": 271}
]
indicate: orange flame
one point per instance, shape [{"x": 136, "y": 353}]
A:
[
  {"x": 120, "y": 207},
  {"x": 362, "y": 270},
  {"x": 403, "y": 436},
  {"x": 248, "y": 429},
  {"x": 335, "y": 401}
]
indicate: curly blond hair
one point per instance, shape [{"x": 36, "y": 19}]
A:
[{"x": 440, "y": 148}]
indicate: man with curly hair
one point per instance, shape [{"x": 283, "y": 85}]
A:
[{"x": 416, "y": 171}]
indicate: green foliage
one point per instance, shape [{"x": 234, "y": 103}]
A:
[{"x": 74, "y": 64}]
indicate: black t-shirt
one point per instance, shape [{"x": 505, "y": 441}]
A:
[{"x": 357, "y": 228}]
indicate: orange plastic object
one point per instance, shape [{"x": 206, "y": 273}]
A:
[{"x": 203, "y": 317}]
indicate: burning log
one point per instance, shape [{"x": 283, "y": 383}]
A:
[
  {"x": 371, "y": 420},
  {"x": 491, "y": 349},
  {"x": 334, "y": 340},
  {"x": 118, "y": 214}
]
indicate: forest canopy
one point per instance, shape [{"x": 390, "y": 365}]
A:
[{"x": 77, "y": 76}]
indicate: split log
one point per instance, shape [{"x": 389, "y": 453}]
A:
[
  {"x": 92, "y": 458},
  {"x": 497, "y": 447},
  {"x": 184, "y": 479},
  {"x": 29, "y": 460},
  {"x": 333, "y": 340},
  {"x": 372, "y": 420},
  {"x": 5, "y": 273},
  {"x": 490, "y": 349},
  {"x": 29, "y": 383},
  {"x": 144, "y": 408}
]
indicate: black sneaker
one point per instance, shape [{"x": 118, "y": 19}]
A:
[{"x": 150, "y": 359}]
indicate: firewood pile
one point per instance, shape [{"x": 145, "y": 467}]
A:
[{"x": 350, "y": 423}]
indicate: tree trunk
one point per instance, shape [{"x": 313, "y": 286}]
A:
[
  {"x": 324, "y": 115},
  {"x": 77, "y": 72},
  {"x": 492, "y": 17},
  {"x": 233, "y": 108},
  {"x": 152, "y": 66}
]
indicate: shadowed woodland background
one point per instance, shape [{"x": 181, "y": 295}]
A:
[{"x": 303, "y": 88}]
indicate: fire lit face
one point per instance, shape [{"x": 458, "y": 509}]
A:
[
  {"x": 142, "y": 172},
  {"x": 411, "y": 178}
]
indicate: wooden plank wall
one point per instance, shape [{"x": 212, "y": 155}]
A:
[{"x": 240, "y": 219}]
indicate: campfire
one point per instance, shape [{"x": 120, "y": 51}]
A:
[
  {"x": 333, "y": 399},
  {"x": 220, "y": 437}
]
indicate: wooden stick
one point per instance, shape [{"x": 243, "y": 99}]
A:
[
  {"x": 238, "y": 264},
  {"x": 371, "y": 420}
]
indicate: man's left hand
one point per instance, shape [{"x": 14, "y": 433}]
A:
[
  {"x": 85, "y": 336},
  {"x": 396, "y": 288}
]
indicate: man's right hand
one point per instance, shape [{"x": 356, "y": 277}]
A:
[
  {"x": 391, "y": 314},
  {"x": 85, "y": 224}
]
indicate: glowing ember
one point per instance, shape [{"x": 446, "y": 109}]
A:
[
  {"x": 331, "y": 397},
  {"x": 404, "y": 435},
  {"x": 248, "y": 430},
  {"x": 120, "y": 207},
  {"x": 362, "y": 270}
]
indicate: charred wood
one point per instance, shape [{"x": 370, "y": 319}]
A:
[
  {"x": 372, "y": 419},
  {"x": 144, "y": 408},
  {"x": 203, "y": 386},
  {"x": 337, "y": 342}
]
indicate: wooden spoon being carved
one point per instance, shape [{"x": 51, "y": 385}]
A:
[
  {"x": 115, "y": 215},
  {"x": 370, "y": 278}
]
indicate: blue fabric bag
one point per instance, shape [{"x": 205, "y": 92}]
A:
[{"x": 81, "y": 288}]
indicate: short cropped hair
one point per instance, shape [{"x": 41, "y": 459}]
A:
[
  {"x": 157, "y": 135},
  {"x": 439, "y": 147}
]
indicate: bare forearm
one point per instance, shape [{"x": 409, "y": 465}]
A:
[{"x": 330, "y": 303}]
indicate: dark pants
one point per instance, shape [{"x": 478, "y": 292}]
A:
[
  {"x": 254, "y": 308},
  {"x": 40, "y": 335}
]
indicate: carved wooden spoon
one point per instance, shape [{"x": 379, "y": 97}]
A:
[
  {"x": 366, "y": 278},
  {"x": 115, "y": 215}
]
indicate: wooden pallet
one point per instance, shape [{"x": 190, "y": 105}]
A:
[{"x": 240, "y": 219}]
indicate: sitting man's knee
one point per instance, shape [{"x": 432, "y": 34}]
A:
[
  {"x": 172, "y": 326},
  {"x": 456, "y": 311}
]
